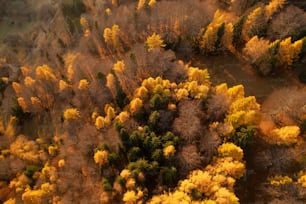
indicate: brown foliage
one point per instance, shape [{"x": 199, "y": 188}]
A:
[{"x": 188, "y": 124}]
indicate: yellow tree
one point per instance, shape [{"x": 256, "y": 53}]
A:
[
  {"x": 227, "y": 38},
  {"x": 85, "y": 26},
  {"x": 288, "y": 52},
  {"x": 101, "y": 157},
  {"x": 111, "y": 84},
  {"x": 44, "y": 72},
  {"x": 253, "y": 23},
  {"x": 135, "y": 105},
  {"x": 71, "y": 114},
  {"x": 210, "y": 36},
  {"x": 112, "y": 37},
  {"x": 273, "y": 7},
  {"x": 154, "y": 41},
  {"x": 286, "y": 135}
]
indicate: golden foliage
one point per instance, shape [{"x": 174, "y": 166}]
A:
[
  {"x": 61, "y": 163},
  {"x": 252, "y": 22},
  {"x": 286, "y": 135},
  {"x": 144, "y": 3},
  {"x": 132, "y": 197},
  {"x": 83, "y": 84},
  {"x": 242, "y": 111},
  {"x": 169, "y": 151},
  {"x": 125, "y": 173},
  {"x": 44, "y": 72},
  {"x": 29, "y": 82},
  {"x": 33, "y": 196},
  {"x": 135, "y": 105},
  {"x": 140, "y": 4},
  {"x": 227, "y": 38},
  {"x": 215, "y": 182},
  {"x": 279, "y": 180},
  {"x": 110, "y": 111},
  {"x": 100, "y": 122},
  {"x": 63, "y": 85},
  {"x": 85, "y": 26},
  {"x": 107, "y": 35},
  {"x": 10, "y": 201},
  {"x": 175, "y": 197},
  {"x": 244, "y": 104},
  {"x": 200, "y": 75},
  {"x": 210, "y": 36},
  {"x": 151, "y": 3},
  {"x": 36, "y": 103},
  {"x": 52, "y": 150},
  {"x": 273, "y": 7},
  {"x": 236, "y": 92},
  {"x": 101, "y": 157},
  {"x": 289, "y": 52},
  {"x": 228, "y": 167},
  {"x": 130, "y": 183},
  {"x": 71, "y": 114},
  {"x": 123, "y": 116},
  {"x": 108, "y": 11},
  {"x": 94, "y": 116},
  {"x": 20, "y": 183},
  {"x": 223, "y": 195},
  {"x": 181, "y": 94},
  {"x": 25, "y": 149},
  {"x": 230, "y": 150},
  {"x": 22, "y": 103},
  {"x": 111, "y": 36},
  {"x": 197, "y": 91},
  {"x": 119, "y": 67},
  {"x": 25, "y": 70},
  {"x": 172, "y": 106},
  {"x": 17, "y": 88},
  {"x": 302, "y": 180},
  {"x": 154, "y": 41},
  {"x": 111, "y": 84},
  {"x": 141, "y": 92}
]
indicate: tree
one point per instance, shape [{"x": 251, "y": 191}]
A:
[
  {"x": 154, "y": 41},
  {"x": 273, "y": 7},
  {"x": 210, "y": 37},
  {"x": 227, "y": 37},
  {"x": 71, "y": 114},
  {"x": 112, "y": 37},
  {"x": 157, "y": 102},
  {"x": 230, "y": 150},
  {"x": 253, "y": 23},
  {"x": 100, "y": 122},
  {"x": 101, "y": 157},
  {"x": 135, "y": 105},
  {"x": 286, "y": 135},
  {"x": 83, "y": 84},
  {"x": 44, "y": 72},
  {"x": 169, "y": 151},
  {"x": 289, "y": 52}
]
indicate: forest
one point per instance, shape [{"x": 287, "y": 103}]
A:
[{"x": 152, "y": 101}]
